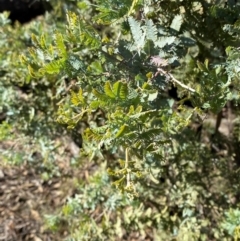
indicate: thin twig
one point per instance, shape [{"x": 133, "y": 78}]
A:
[
  {"x": 160, "y": 70},
  {"x": 127, "y": 166}
]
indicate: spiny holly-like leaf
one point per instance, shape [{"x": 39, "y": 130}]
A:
[{"x": 120, "y": 89}]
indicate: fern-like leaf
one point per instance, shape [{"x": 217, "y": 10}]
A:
[
  {"x": 78, "y": 98},
  {"x": 151, "y": 30},
  {"x": 42, "y": 42},
  {"x": 137, "y": 33},
  {"x": 52, "y": 68},
  {"x": 60, "y": 45},
  {"x": 163, "y": 41},
  {"x": 108, "y": 90},
  {"x": 99, "y": 95},
  {"x": 123, "y": 129},
  {"x": 72, "y": 20},
  {"x": 106, "y": 16},
  {"x": 177, "y": 23},
  {"x": 120, "y": 90},
  {"x": 89, "y": 36}
]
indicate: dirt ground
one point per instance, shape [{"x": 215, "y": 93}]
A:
[{"x": 25, "y": 198}]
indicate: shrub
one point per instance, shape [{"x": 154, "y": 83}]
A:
[{"x": 115, "y": 67}]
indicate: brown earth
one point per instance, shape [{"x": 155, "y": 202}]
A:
[{"x": 25, "y": 198}]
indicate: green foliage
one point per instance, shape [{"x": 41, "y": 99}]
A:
[
  {"x": 27, "y": 105},
  {"x": 231, "y": 223},
  {"x": 107, "y": 67}
]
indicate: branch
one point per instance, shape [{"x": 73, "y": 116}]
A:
[
  {"x": 127, "y": 166},
  {"x": 160, "y": 70}
]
